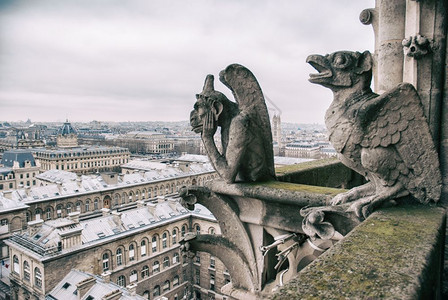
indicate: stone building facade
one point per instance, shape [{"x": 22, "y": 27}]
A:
[
  {"x": 60, "y": 193},
  {"x": 19, "y": 169},
  {"x": 138, "y": 248},
  {"x": 82, "y": 160}
]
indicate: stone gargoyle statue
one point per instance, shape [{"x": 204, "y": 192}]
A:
[
  {"x": 384, "y": 137},
  {"x": 246, "y": 137}
]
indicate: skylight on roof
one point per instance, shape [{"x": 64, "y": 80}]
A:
[
  {"x": 66, "y": 285},
  {"x": 101, "y": 234}
]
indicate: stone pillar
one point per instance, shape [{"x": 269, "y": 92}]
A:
[{"x": 391, "y": 28}]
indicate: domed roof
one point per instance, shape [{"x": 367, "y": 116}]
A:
[{"x": 66, "y": 129}]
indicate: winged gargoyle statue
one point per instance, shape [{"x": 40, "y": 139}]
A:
[
  {"x": 246, "y": 138},
  {"x": 384, "y": 137}
]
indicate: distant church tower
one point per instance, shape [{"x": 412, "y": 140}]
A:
[
  {"x": 277, "y": 129},
  {"x": 67, "y": 136}
]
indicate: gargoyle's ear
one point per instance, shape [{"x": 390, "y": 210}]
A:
[
  {"x": 217, "y": 108},
  {"x": 365, "y": 63}
]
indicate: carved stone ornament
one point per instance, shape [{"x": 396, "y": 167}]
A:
[
  {"x": 416, "y": 46},
  {"x": 248, "y": 155},
  {"x": 384, "y": 137}
]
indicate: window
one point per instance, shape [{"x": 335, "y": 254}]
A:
[
  {"x": 174, "y": 236},
  {"x": 4, "y": 222},
  {"x": 121, "y": 281},
  {"x": 105, "y": 262},
  {"x": 143, "y": 248},
  {"x": 37, "y": 277},
  {"x": 26, "y": 271},
  {"x": 198, "y": 258},
  {"x": 78, "y": 206},
  {"x": 133, "y": 276},
  {"x": 119, "y": 257},
  {"x": 166, "y": 286},
  {"x": 27, "y": 217},
  {"x": 37, "y": 213},
  {"x": 156, "y": 267},
  {"x": 197, "y": 277},
  {"x": 48, "y": 213},
  {"x": 212, "y": 282},
  {"x": 69, "y": 208},
  {"x": 87, "y": 205},
  {"x": 116, "y": 199},
  {"x": 198, "y": 229},
  {"x": 184, "y": 229},
  {"x": 145, "y": 272},
  {"x": 164, "y": 240},
  {"x": 156, "y": 291},
  {"x": 154, "y": 244},
  {"x": 16, "y": 265},
  {"x": 175, "y": 258},
  {"x": 166, "y": 262},
  {"x": 95, "y": 204},
  {"x": 123, "y": 199},
  {"x": 131, "y": 252},
  {"x": 211, "y": 230},
  {"x": 176, "y": 281},
  {"x": 212, "y": 262}
]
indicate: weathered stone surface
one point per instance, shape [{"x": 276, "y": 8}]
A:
[
  {"x": 385, "y": 138},
  {"x": 246, "y": 138},
  {"x": 395, "y": 254}
]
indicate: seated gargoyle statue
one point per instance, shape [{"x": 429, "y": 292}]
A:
[
  {"x": 246, "y": 138},
  {"x": 384, "y": 137}
]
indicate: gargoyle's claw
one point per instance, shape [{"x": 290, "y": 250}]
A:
[
  {"x": 366, "y": 211},
  {"x": 339, "y": 199}
]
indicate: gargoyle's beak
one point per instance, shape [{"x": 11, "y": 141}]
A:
[{"x": 320, "y": 63}]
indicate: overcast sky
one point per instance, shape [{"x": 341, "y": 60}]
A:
[{"x": 144, "y": 60}]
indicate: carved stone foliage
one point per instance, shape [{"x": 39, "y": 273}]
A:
[
  {"x": 248, "y": 155},
  {"x": 416, "y": 46},
  {"x": 384, "y": 137}
]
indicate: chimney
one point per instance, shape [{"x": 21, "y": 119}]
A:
[
  {"x": 34, "y": 226},
  {"x": 106, "y": 276},
  {"x": 132, "y": 288},
  {"x": 160, "y": 199},
  {"x": 84, "y": 286},
  {"x": 74, "y": 216},
  {"x": 110, "y": 178},
  {"x": 114, "y": 295},
  {"x": 116, "y": 218},
  {"x": 79, "y": 181},
  {"x": 105, "y": 212},
  {"x": 152, "y": 208}
]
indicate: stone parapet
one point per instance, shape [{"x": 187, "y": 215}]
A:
[{"x": 396, "y": 253}]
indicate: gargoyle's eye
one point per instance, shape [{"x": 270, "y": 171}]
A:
[{"x": 341, "y": 61}]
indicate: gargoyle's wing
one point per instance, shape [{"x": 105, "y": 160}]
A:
[
  {"x": 399, "y": 122},
  {"x": 250, "y": 99}
]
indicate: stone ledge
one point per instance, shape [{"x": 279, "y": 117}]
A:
[
  {"x": 328, "y": 172},
  {"x": 395, "y": 254}
]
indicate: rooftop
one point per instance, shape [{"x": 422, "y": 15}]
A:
[
  {"x": 19, "y": 155},
  {"x": 67, "y": 288}
]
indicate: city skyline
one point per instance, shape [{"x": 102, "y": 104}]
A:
[{"x": 145, "y": 61}]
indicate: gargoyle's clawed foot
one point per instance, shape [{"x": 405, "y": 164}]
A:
[
  {"x": 341, "y": 198},
  {"x": 362, "y": 207},
  {"x": 355, "y": 193}
]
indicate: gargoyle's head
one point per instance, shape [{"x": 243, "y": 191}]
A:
[
  {"x": 208, "y": 102},
  {"x": 342, "y": 69}
]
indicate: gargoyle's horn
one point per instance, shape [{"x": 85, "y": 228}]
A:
[{"x": 208, "y": 85}]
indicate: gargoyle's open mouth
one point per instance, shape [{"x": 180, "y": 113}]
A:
[{"x": 319, "y": 63}]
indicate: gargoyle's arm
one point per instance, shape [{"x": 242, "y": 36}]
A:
[{"x": 228, "y": 166}]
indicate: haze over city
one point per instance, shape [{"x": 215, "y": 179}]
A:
[{"x": 146, "y": 60}]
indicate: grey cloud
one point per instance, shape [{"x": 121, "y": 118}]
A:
[{"x": 145, "y": 60}]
